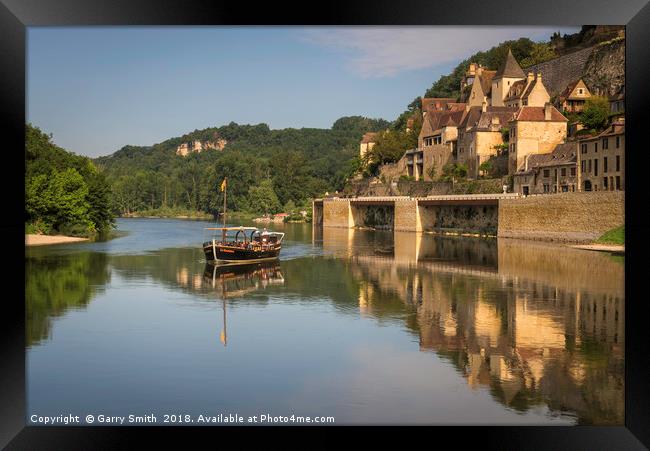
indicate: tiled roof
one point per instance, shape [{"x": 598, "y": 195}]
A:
[
  {"x": 436, "y": 103},
  {"x": 485, "y": 120},
  {"x": 439, "y": 119},
  {"x": 486, "y": 81},
  {"x": 510, "y": 68},
  {"x": 563, "y": 154},
  {"x": 536, "y": 113}
]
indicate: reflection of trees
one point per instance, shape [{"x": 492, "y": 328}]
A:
[{"x": 54, "y": 284}]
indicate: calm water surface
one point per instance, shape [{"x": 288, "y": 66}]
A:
[{"x": 368, "y": 327}]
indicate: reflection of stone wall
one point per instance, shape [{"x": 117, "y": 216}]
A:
[
  {"x": 563, "y": 217},
  {"x": 563, "y": 267}
]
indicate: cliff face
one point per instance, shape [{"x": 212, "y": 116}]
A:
[
  {"x": 602, "y": 67},
  {"x": 604, "y": 71}
]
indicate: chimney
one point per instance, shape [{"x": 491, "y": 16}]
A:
[
  {"x": 530, "y": 76},
  {"x": 484, "y": 106},
  {"x": 547, "y": 111},
  {"x": 539, "y": 77}
]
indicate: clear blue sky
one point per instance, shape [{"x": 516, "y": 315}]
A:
[{"x": 97, "y": 89}]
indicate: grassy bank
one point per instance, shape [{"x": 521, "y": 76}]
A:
[{"x": 614, "y": 236}]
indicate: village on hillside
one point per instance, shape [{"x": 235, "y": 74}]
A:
[{"x": 522, "y": 129}]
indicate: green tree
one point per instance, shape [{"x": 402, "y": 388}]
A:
[
  {"x": 263, "y": 199},
  {"x": 58, "y": 200},
  {"x": 539, "y": 52},
  {"x": 595, "y": 113}
]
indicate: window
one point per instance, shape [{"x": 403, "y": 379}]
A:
[
  {"x": 580, "y": 91},
  {"x": 513, "y": 132},
  {"x": 618, "y": 142},
  {"x": 573, "y": 170},
  {"x": 437, "y": 139},
  {"x": 547, "y": 173},
  {"x": 595, "y": 147},
  {"x": 583, "y": 148},
  {"x": 428, "y": 141},
  {"x": 596, "y": 167},
  {"x": 563, "y": 172},
  {"x": 547, "y": 188},
  {"x": 583, "y": 165},
  {"x": 565, "y": 188},
  {"x": 605, "y": 143},
  {"x": 605, "y": 182},
  {"x": 618, "y": 163},
  {"x": 605, "y": 165},
  {"x": 618, "y": 182}
]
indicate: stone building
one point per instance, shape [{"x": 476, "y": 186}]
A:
[
  {"x": 441, "y": 127},
  {"x": 573, "y": 98},
  {"x": 534, "y": 130},
  {"x": 420, "y": 164},
  {"x": 553, "y": 172},
  {"x": 509, "y": 73},
  {"x": 480, "y": 135},
  {"x": 477, "y": 87},
  {"x": 367, "y": 142},
  {"x": 527, "y": 92},
  {"x": 601, "y": 159}
]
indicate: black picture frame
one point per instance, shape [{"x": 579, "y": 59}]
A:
[{"x": 16, "y": 15}]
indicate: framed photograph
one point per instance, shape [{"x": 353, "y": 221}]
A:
[{"x": 377, "y": 215}]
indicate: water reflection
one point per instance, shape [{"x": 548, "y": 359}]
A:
[
  {"x": 535, "y": 323},
  {"x": 536, "y": 326},
  {"x": 56, "y": 283}
]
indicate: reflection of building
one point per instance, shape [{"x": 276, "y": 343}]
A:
[{"x": 545, "y": 328}]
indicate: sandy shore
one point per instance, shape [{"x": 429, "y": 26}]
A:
[
  {"x": 601, "y": 247},
  {"x": 42, "y": 240}
]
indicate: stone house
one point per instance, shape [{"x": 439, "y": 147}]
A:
[
  {"x": 368, "y": 141},
  {"x": 534, "y": 130},
  {"x": 553, "y": 172},
  {"x": 572, "y": 99},
  {"x": 417, "y": 163},
  {"x": 480, "y": 135},
  {"x": 601, "y": 159},
  {"x": 441, "y": 127},
  {"x": 527, "y": 92},
  {"x": 478, "y": 87}
]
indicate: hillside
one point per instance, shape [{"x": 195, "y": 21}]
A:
[{"x": 300, "y": 163}]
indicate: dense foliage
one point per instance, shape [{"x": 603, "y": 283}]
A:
[
  {"x": 595, "y": 114},
  {"x": 266, "y": 168},
  {"x": 64, "y": 192}
]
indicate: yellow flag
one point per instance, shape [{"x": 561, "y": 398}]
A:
[{"x": 223, "y": 185}]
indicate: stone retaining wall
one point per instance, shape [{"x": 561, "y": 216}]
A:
[{"x": 568, "y": 217}]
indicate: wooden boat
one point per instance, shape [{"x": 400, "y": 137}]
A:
[{"x": 244, "y": 246}]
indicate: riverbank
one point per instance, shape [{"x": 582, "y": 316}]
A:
[
  {"x": 44, "y": 240},
  {"x": 612, "y": 248}
]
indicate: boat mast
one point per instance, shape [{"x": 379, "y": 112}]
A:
[{"x": 225, "y": 187}]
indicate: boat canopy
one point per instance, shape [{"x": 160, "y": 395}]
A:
[{"x": 232, "y": 228}]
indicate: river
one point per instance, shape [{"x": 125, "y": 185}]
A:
[{"x": 365, "y": 327}]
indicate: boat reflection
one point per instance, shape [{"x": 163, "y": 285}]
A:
[
  {"x": 237, "y": 280},
  {"x": 233, "y": 281}
]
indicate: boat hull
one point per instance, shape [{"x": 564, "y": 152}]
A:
[{"x": 238, "y": 255}]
